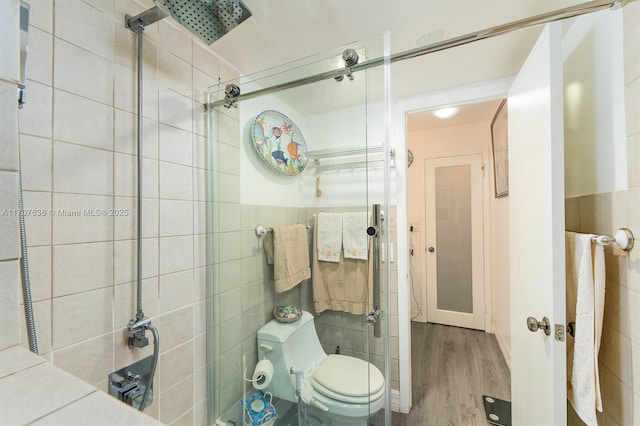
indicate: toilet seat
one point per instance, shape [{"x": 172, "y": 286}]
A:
[{"x": 340, "y": 377}]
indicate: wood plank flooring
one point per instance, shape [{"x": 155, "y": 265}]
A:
[{"x": 452, "y": 368}]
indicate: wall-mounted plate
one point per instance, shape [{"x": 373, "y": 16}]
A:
[{"x": 279, "y": 142}]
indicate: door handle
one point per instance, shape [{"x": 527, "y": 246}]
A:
[{"x": 535, "y": 325}]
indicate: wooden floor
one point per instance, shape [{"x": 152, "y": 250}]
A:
[{"x": 452, "y": 368}]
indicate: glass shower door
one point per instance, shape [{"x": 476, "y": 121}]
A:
[{"x": 284, "y": 157}]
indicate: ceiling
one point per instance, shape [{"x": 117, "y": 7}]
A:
[
  {"x": 481, "y": 112},
  {"x": 282, "y": 31}
]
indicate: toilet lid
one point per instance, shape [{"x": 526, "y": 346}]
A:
[{"x": 346, "y": 375}]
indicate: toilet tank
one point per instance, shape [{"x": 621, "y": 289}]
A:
[{"x": 288, "y": 345}]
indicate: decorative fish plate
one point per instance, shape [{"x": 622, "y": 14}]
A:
[{"x": 279, "y": 142}]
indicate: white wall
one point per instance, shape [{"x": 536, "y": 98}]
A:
[
  {"x": 259, "y": 183},
  {"x": 337, "y": 128},
  {"x": 594, "y": 119}
]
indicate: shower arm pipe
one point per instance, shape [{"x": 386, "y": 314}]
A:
[{"x": 545, "y": 18}]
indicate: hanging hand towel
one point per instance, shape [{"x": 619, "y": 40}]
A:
[
  {"x": 585, "y": 286},
  {"x": 287, "y": 249},
  {"x": 329, "y": 241},
  {"x": 355, "y": 240},
  {"x": 344, "y": 286}
]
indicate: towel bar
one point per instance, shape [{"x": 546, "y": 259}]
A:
[
  {"x": 261, "y": 230},
  {"x": 623, "y": 238}
]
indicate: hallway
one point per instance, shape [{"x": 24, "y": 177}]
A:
[{"x": 452, "y": 368}]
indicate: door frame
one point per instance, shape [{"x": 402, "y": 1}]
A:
[
  {"x": 483, "y": 288},
  {"x": 486, "y": 91}
]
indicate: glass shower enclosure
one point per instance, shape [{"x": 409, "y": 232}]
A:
[{"x": 294, "y": 146}]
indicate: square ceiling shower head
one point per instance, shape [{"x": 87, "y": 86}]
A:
[{"x": 207, "y": 19}]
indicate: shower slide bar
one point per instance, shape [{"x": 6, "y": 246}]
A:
[{"x": 545, "y": 18}]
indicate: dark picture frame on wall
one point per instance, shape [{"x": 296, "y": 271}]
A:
[{"x": 500, "y": 144}]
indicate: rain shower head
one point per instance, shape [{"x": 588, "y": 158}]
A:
[{"x": 207, "y": 19}]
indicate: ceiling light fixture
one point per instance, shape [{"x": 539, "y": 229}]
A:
[{"x": 444, "y": 113}]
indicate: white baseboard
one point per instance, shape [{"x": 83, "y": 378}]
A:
[{"x": 502, "y": 343}]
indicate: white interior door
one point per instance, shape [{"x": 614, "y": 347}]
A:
[
  {"x": 454, "y": 241},
  {"x": 536, "y": 227}
]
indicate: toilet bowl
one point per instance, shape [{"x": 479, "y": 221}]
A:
[{"x": 343, "y": 389}]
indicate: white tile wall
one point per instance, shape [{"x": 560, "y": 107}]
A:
[
  {"x": 79, "y": 23},
  {"x": 61, "y": 396},
  {"x": 97, "y": 405},
  {"x": 70, "y": 228},
  {"x": 41, "y": 15},
  {"x": 176, "y": 290},
  {"x": 36, "y": 173},
  {"x": 36, "y": 120},
  {"x": 172, "y": 218},
  {"x": 125, "y": 83},
  {"x": 81, "y": 121},
  {"x": 40, "y": 267},
  {"x": 176, "y": 254},
  {"x": 92, "y": 316},
  {"x": 40, "y": 59},
  {"x": 174, "y": 73},
  {"x": 81, "y": 72},
  {"x": 88, "y": 359},
  {"x": 10, "y": 297},
  {"x": 9, "y": 215},
  {"x": 38, "y": 228},
  {"x": 176, "y": 181},
  {"x": 95, "y": 165},
  {"x": 175, "y": 109},
  {"x": 177, "y": 41},
  {"x": 175, "y": 145},
  {"x": 9, "y": 40},
  {"x": 82, "y": 267},
  {"x": 40, "y": 383},
  {"x": 8, "y": 126}
]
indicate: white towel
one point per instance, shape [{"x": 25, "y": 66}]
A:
[
  {"x": 355, "y": 240},
  {"x": 329, "y": 241},
  {"x": 585, "y": 304}
]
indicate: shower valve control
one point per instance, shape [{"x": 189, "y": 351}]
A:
[
  {"x": 535, "y": 325},
  {"x": 372, "y": 318},
  {"x": 136, "y": 330}
]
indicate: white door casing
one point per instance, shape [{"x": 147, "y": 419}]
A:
[
  {"x": 536, "y": 228},
  {"x": 472, "y": 315}
]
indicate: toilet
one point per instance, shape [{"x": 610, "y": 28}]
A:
[{"x": 335, "y": 387}]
